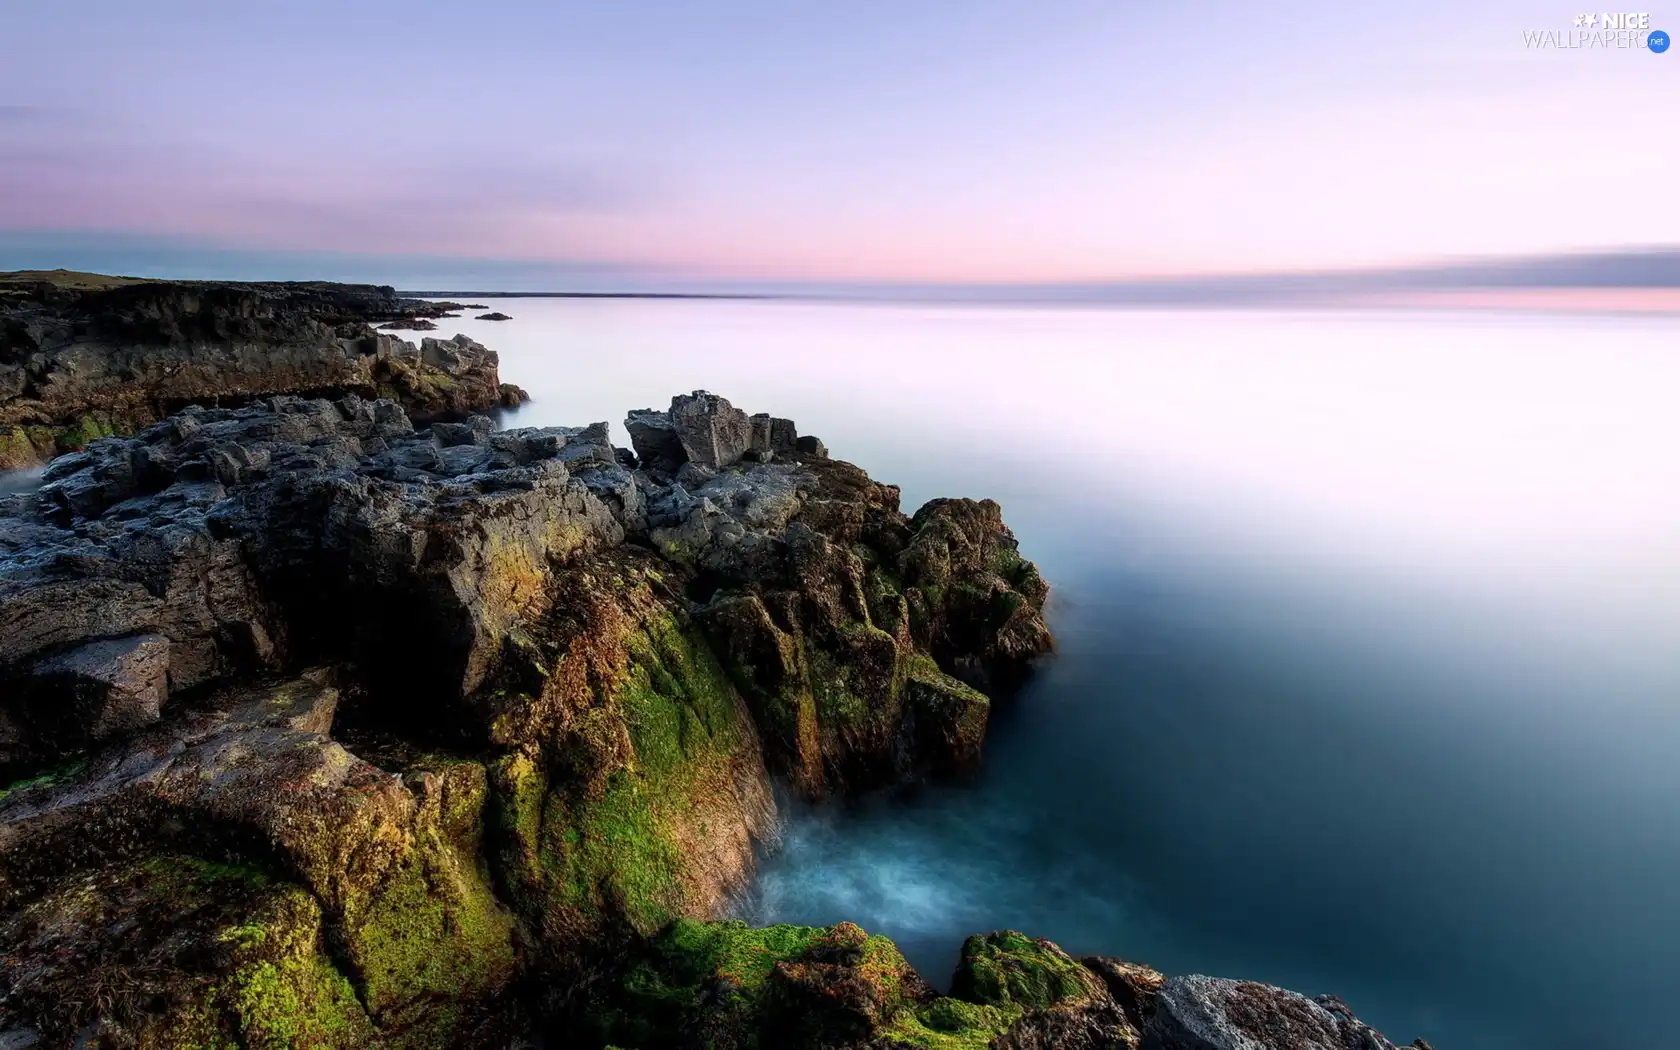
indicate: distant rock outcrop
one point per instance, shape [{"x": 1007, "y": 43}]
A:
[
  {"x": 84, "y": 357},
  {"x": 494, "y": 315}
]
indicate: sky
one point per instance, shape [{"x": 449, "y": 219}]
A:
[{"x": 797, "y": 141}]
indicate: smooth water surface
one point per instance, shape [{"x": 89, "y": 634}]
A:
[{"x": 1369, "y": 678}]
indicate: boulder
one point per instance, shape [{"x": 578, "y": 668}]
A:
[
  {"x": 713, "y": 432},
  {"x": 1214, "y": 1013},
  {"x": 113, "y": 686},
  {"x": 655, "y": 440}
]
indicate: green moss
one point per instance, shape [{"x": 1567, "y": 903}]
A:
[
  {"x": 431, "y": 931},
  {"x": 45, "y": 778},
  {"x": 1006, "y": 967},
  {"x": 84, "y": 430},
  {"x": 728, "y": 986},
  {"x": 284, "y": 992},
  {"x": 743, "y": 955},
  {"x": 839, "y": 707},
  {"x": 701, "y": 976},
  {"x": 950, "y": 1024},
  {"x": 24, "y": 445},
  {"x": 18, "y": 449},
  {"x": 612, "y": 848},
  {"x": 883, "y": 966}
]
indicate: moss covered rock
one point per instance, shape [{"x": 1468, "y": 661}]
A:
[
  {"x": 1006, "y": 967},
  {"x": 728, "y": 986},
  {"x": 636, "y": 792},
  {"x": 390, "y": 873},
  {"x": 177, "y": 952}
]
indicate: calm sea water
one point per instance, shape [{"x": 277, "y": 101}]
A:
[{"x": 1369, "y": 678}]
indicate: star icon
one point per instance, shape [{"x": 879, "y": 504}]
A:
[{"x": 1585, "y": 21}]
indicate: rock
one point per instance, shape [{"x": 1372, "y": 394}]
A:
[
  {"x": 341, "y": 510},
  {"x": 389, "y": 866},
  {"x": 84, "y": 357},
  {"x": 1132, "y": 986},
  {"x": 655, "y": 440},
  {"x": 600, "y": 660},
  {"x": 494, "y": 316},
  {"x": 1212, "y": 1013},
  {"x": 112, "y": 686},
  {"x": 415, "y": 324},
  {"x": 724, "y": 984},
  {"x": 713, "y": 433},
  {"x": 813, "y": 446},
  {"x": 512, "y": 396},
  {"x": 470, "y": 306},
  {"x": 709, "y": 433},
  {"x": 1007, "y": 967},
  {"x": 772, "y": 435}
]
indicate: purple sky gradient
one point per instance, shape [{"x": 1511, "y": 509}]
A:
[{"x": 865, "y": 141}]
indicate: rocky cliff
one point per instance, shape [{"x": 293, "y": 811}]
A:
[
  {"x": 325, "y": 731},
  {"x": 84, "y": 356}
]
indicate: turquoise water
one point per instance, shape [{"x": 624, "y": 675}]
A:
[{"x": 1369, "y": 678}]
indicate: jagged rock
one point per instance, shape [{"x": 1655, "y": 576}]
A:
[
  {"x": 1131, "y": 985},
  {"x": 655, "y": 440},
  {"x": 1213, "y": 1013},
  {"x": 870, "y": 631},
  {"x": 771, "y": 434},
  {"x": 84, "y": 357},
  {"x": 713, "y": 432},
  {"x": 611, "y": 649}
]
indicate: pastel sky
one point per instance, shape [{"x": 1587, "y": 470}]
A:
[{"x": 865, "y": 140}]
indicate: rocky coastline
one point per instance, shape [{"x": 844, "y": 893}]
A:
[
  {"x": 357, "y": 721},
  {"x": 84, "y": 356}
]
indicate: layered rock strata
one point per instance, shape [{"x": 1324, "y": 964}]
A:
[{"x": 84, "y": 357}]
